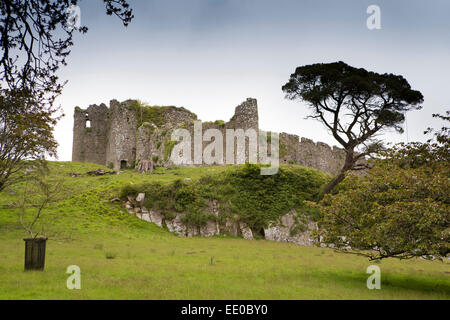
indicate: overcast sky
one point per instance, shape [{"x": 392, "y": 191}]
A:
[{"x": 210, "y": 55}]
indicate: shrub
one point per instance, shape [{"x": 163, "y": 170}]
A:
[
  {"x": 197, "y": 217},
  {"x": 129, "y": 190},
  {"x": 257, "y": 199},
  {"x": 220, "y": 123},
  {"x": 168, "y": 215},
  {"x": 390, "y": 212}
]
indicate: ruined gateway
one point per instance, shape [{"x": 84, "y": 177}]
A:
[{"x": 128, "y": 133}]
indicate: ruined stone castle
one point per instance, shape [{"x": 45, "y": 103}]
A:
[{"x": 129, "y": 133}]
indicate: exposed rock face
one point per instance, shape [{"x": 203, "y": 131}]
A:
[
  {"x": 118, "y": 137},
  {"x": 145, "y": 215},
  {"x": 140, "y": 199},
  {"x": 210, "y": 229},
  {"x": 246, "y": 231},
  {"x": 156, "y": 218},
  {"x": 285, "y": 230},
  {"x": 232, "y": 227},
  {"x": 176, "y": 225}
]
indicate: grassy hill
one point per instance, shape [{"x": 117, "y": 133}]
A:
[{"x": 122, "y": 257}]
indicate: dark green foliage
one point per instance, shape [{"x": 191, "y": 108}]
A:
[
  {"x": 26, "y": 132},
  {"x": 400, "y": 208},
  {"x": 128, "y": 190},
  {"x": 434, "y": 151},
  {"x": 354, "y": 105},
  {"x": 322, "y": 83},
  {"x": 197, "y": 217},
  {"x": 168, "y": 215},
  {"x": 260, "y": 199},
  {"x": 257, "y": 199}
]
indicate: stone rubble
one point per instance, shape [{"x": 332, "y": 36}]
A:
[{"x": 118, "y": 137}]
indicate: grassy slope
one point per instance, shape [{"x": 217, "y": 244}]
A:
[{"x": 151, "y": 263}]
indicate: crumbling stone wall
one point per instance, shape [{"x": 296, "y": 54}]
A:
[
  {"x": 121, "y": 146},
  {"x": 320, "y": 156},
  {"x": 245, "y": 117},
  {"x": 119, "y": 137},
  {"x": 307, "y": 153},
  {"x": 147, "y": 142},
  {"x": 153, "y": 140}
]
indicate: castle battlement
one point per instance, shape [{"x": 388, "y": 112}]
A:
[{"x": 128, "y": 132}]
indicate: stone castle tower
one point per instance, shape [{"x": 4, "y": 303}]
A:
[{"x": 127, "y": 133}]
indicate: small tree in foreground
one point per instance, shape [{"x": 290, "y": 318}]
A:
[
  {"x": 354, "y": 105},
  {"x": 26, "y": 133},
  {"x": 39, "y": 191},
  {"x": 401, "y": 208},
  {"x": 36, "y": 37}
]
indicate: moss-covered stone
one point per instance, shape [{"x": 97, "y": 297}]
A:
[{"x": 256, "y": 199}]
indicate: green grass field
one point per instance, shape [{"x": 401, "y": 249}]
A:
[{"x": 122, "y": 257}]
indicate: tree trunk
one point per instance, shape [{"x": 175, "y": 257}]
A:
[{"x": 349, "y": 162}]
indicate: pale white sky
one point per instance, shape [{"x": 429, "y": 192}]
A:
[{"x": 209, "y": 56}]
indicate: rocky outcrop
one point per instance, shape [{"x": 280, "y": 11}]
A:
[
  {"x": 290, "y": 227},
  {"x": 286, "y": 230},
  {"x": 246, "y": 231}
]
